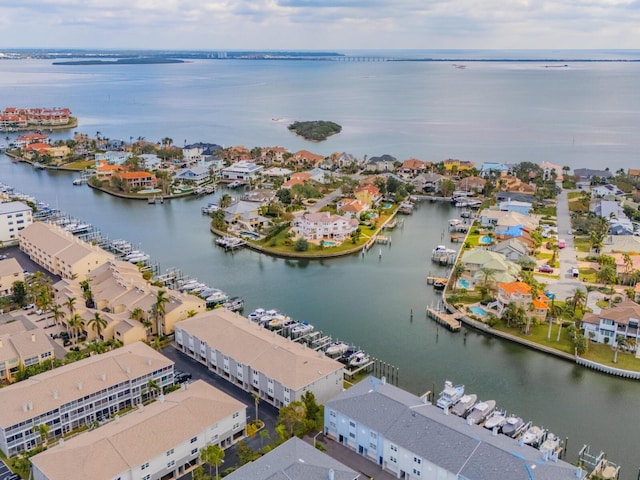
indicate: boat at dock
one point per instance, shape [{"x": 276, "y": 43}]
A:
[
  {"x": 551, "y": 444},
  {"x": 464, "y": 405},
  {"x": 302, "y": 328},
  {"x": 533, "y": 435},
  {"x": 358, "y": 359},
  {"x": 495, "y": 420},
  {"x": 513, "y": 426},
  {"x": 336, "y": 349},
  {"x": 450, "y": 395},
  {"x": 235, "y": 304},
  {"x": 480, "y": 412},
  {"x": 217, "y": 297}
]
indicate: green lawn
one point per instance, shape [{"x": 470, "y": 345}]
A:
[
  {"x": 598, "y": 352},
  {"x": 588, "y": 275},
  {"x": 539, "y": 335},
  {"x": 80, "y": 164},
  {"x": 582, "y": 244},
  {"x": 572, "y": 195}
]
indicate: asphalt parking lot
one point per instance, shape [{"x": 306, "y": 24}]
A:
[{"x": 5, "y": 473}]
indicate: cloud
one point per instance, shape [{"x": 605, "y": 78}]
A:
[{"x": 317, "y": 24}]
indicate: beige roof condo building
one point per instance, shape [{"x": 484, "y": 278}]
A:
[
  {"x": 161, "y": 440},
  {"x": 22, "y": 344},
  {"x": 10, "y": 272},
  {"x": 60, "y": 252},
  {"x": 14, "y": 217},
  {"x": 259, "y": 361},
  {"x": 72, "y": 396},
  {"x": 118, "y": 289}
]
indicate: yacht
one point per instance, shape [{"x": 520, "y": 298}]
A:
[
  {"x": 277, "y": 320},
  {"x": 495, "y": 420},
  {"x": 512, "y": 426},
  {"x": 336, "y": 348},
  {"x": 533, "y": 435},
  {"x": 465, "y": 404},
  {"x": 217, "y": 297},
  {"x": 358, "y": 359},
  {"x": 302, "y": 328},
  {"x": 450, "y": 395},
  {"x": 480, "y": 411},
  {"x": 257, "y": 314}
]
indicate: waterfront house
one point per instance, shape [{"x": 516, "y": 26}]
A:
[
  {"x": 270, "y": 174},
  {"x": 412, "y": 439},
  {"x": 619, "y": 223},
  {"x": 197, "y": 152},
  {"x": 514, "y": 185},
  {"x": 245, "y": 215},
  {"x": 512, "y": 249},
  {"x": 33, "y": 149},
  {"x": 589, "y": 174},
  {"x": 383, "y": 163},
  {"x": 471, "y": 184},
  {"x": 351, "y": 208},
  {"x": 160, "y": 440},
  {"x": 519, "y": 293},
  {"x": 22, "y": 344},
  {"x": 324, "y": 225},
  {"x": 346, "y": 160},
  {"x": 257, "y": 360},
  {"x": 515, "y": 206},
  {"x": 611, "y": 324},
  {"x": 368, "y": 195},
  {"x": 547, "y": 169},
  {"x": 150, "y": 161},
  {"x": 60, "y": 252},
  {"x": 10, "y": 272},
  {"x": 428, "y": 182},
  {"x": 413, "y": 167},
  {"x": 242, "y": 171},
  {"x": 196, "y": 175},
  {"x": 77, "y": 394},
  {"x": 501, "y": 269},
  {"x": 105, "y": 171},
  {"x": 14, "y": 218},
  {"x": 634, "y": 173},
  {"x": 306, "y": 159},
  {"x": 294, "y": 459},
  {"x": 23, "y": 117},
  {"x": 138, "y": 180},
  {"x": 30, "y": 138},
  {"x": 269, "y": 155}
]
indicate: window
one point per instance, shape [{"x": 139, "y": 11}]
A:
[
  {"x": 194, "y": 439},
  {"x": 393, "y": 459},
  {"x": 145, "y": 466},
  {"x": 194, "y": 451},
  {"x": 171, "y": 463},
  {"x": 170, "y": 452},
  {"x": 146, "y": 477},
  {"x": 393, "y": 448},
  {"x": 417, "y": 460},
  {"x": 416, "y": 472}
]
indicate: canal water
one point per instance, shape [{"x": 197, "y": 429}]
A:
[{"x": 368, "y": 300}]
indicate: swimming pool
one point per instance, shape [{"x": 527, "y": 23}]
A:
[
  {"x": 251, "y": 235},
  {"x": 481, "y": 312},
  {"x": 329, "y": 243},
  {"x": 486, "y": 239},
  {"x": 387, "y": 206},
  {"x": 462, "y": 283},
  {"x": 149, "y": 191}
]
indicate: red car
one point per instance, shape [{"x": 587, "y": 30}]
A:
[{"x": 545, "y": 269}]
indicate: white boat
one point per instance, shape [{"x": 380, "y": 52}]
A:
[
  {"x": 277, "y": 320},
  {"x": 143, "y": 257},
  {"x": 217, "y": 297},
  {"x": 480, "y": 411},
  {"x": 336, "y": 348},
  {"x": 450, "y": 395},
  {"x": 512, "y": 426},
  {"x": 533, "y": 435},
  {"x": 257, "y": 314},
  {"x": 465, "y": 404},
  {"x": 358, "y": 359},
  {"x": 302, "y": 328},
  {"x": 550, "y": 444},
  {"x": 496, "y": 419}
]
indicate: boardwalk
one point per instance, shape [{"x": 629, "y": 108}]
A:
[{"x": 449, "y": 320}]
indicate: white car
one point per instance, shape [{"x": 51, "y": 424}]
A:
[{"x": 570, "y": 232}]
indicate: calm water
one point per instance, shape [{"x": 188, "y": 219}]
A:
[{"x": 499, "y": 112}]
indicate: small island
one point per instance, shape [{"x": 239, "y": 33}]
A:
[{"x": 315, "y": 131}]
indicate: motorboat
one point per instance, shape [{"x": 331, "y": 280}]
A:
[
  {"x": 302, "y": 328},
  {"x": 512, "y": 426},
  {"x": 550, "y": 444},
  {"x": 277, "y": 320},
  {"x": 143, "y": 257},
  {"x": 450, "y": 395},
  {"x": 257, "y": 314},
  {"x": 235, "y": 304},
  {"x": 336, "y": 348},
  {"x": 495, "y": 420},
  {"x": 533, "y": 435},
  {"x": 465, "y": 404},
  {"x": 216, "y": 298},
  {"x": 358, "y": 359},
  {"x": 480, "y": 411}
]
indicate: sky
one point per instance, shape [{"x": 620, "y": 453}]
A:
[{"x": 320, "y": 24}]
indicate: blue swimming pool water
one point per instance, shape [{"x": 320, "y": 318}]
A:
[
  {"x": 481, "y": 312},
  {"x": 462, "y": 283},
  {"x": 252, "y": 235},
  {"x": 149, "y": 191},
  {"x": 329, "y": 243},
  {"x": 486, "y": 239}
]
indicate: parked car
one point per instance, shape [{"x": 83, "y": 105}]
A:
[
  {"x": 182, "y": 377},
  {"x": 29, "y": 306},
  {"x": 545, "y": 269}
]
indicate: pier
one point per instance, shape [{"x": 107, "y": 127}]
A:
[{"x": 449, "y": 320}]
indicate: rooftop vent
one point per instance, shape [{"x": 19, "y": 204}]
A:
[
  {"x": 103, "y": 377},
  {"x": 79, "y": 384},
  {"x": 55, "y": 394},
  {"x": 149, "y": 361}
]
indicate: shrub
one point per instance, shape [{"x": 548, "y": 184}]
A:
[{"x": 301, "y": 245}]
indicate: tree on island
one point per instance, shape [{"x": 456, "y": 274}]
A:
[{"x": 316, "y": 131}]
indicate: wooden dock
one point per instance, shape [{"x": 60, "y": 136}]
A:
[
  {"x": 447, "y": 319},
  {"x": 431, "y": 280}
]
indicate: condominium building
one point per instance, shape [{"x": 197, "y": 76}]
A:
[
  {"x": 10, "y": 272},
  {"x": 413, "y": 439},
  {"x": 294, "y": 459},
  {"x": 77, "y": 394},
  {"x": 60, "y": 252},
  {"x": 159, "y": 441},
  {"x": 14, "y": 217},
  {"x": 259, "y": 361}
]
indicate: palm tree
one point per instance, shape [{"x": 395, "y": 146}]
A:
[
  {"x": 75, "y": 324},
  {"x": 457, "y": 272},
  {"x": 607, "y": 275},
  {"x": 97, "y": 324},
  {"x": 70, "y": 304},
  {"x": 256, "y": 400},
  {"x": 153, "y": 387},
  {"x": 213, "y": 455},
  {"x": 159, "y": 310},
  {"x": 56, "y": 312},
  {"x": 578, "y": 299}
]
